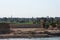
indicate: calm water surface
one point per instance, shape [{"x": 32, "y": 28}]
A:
[{"x": 53, "y": 38}]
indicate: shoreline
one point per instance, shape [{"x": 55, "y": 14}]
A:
[
  {"x": 46, "y": 36},
  {"x": 28, "y": 37}
]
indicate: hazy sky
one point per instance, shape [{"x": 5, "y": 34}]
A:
[{"x": 29, "y": 8}]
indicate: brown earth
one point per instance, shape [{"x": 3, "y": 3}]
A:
[{"x": 29, "y": 30}]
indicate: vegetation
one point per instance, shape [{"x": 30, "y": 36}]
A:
[{"x": 46, "y": 21}]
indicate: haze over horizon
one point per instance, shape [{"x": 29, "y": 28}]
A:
[{"x": 29, "y": 8}]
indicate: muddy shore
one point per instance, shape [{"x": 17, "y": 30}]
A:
[{"x": 32, "y": 34}]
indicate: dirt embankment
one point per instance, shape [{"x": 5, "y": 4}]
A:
[
  {"x": 30, "y": 30},
  {"x": 34, "y": 32}
]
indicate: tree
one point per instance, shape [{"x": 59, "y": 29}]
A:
[
  {"x": 47, "y": 24},
  {"x": 5, "y": 19}
]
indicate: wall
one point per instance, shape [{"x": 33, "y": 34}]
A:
[{"x": 4, "y": 28}]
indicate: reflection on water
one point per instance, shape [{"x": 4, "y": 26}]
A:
[{"x": 53, "y": 38}]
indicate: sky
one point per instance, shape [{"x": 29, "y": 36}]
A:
[{"x": 29, "y": 8}]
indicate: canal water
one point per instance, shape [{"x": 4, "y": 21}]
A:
[{"x": 51, "y": 38}]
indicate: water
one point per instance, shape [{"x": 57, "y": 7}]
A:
[{"x": 53, "y": 38}]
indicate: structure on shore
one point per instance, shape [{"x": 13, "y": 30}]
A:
[{"x": 4, "y": 28}]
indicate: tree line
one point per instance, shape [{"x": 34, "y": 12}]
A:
[{"x": 45, "y": 20}]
